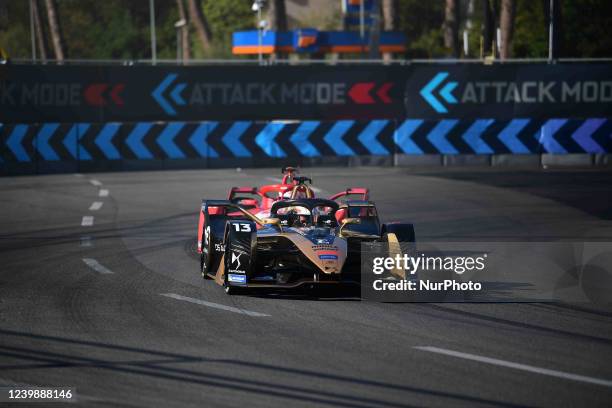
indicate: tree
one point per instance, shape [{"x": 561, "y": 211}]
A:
[
  {"x": 277, "y": 14},
  {"x": 506, "y": 25},
  {"x": 451, "y": 26},
  {"x": 488, "y": 27},
  {"x": 389, "y": 14},
  {"x": 186, "y": 48},
  {"x": 54, "y": 28},
  {"x": 201, "y": 24},
  {"x": 40, "y": 38},
  {"x": 389, "y": 11}
]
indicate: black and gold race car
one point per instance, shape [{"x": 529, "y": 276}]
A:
[{"x": 304, "y": 241}]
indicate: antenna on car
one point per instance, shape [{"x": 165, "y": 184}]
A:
[{"x": 302, "y": 180}]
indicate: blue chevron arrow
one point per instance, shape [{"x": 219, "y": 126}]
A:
[
  {"x": 71, "y": 141},
  {"x": 265, "y": 139},
  {"x": 232, "y": 139},
  {"x": 14, "y": 143},
  {"x": 300, "y": 138},
  {"x": 334, "y": 138},
  {"x": 81, "y": 130},
  {"x": 368, "y": 137},
  {"x": 426, "y": 92},
  {"x": 509, "y": 138},
  {"x": 176, "y": 94},
  {"x": 158, "y": 94},
  {"x": 199, "y": 142},
  {"x": 473, "y": 139},
  {"x": 42, "y": 141},
  {"x": 403, "y": 136},
  {"x": 582, "y": 136},
  {"x": 166, "y": 140},
  {"x": 104, "y": 141},
  {"x": 546, "y": 136},
  {"x": 437, "y": 136},
  {"x": 446, "y": 92},
  {"x": 134, "y": 140}
]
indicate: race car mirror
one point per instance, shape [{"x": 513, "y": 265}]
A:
[
  {"x": 350, "y": 221},
  {"x": 276, "y": 222}
]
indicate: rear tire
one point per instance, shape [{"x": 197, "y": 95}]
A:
[
  {"x": 202, "y": 271},
  {"x": 206, "y": 249}
]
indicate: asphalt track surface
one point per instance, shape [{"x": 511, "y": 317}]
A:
[{"x": 103, "y": 308}]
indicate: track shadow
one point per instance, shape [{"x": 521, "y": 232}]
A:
[
  {"x": 348, "y": 292},
  {"x": 155, "y": 365},
  {"x": 585, "y": 190},
  {"x": 529, "y": 326}
]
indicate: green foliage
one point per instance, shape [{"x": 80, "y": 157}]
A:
[
  {"x": 421, "y": 21},
  {"x": 15, "y": 28},
  {"x": 225, "y": 17},
  {"x": 586, "y": 28},
  {"x": 530, "y": 30},
  {"x": 119, "y": 29}
]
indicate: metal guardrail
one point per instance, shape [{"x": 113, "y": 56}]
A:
[{"x": 272, "y": 62}]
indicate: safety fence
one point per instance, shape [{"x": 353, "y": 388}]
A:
[{"x": 45, "y": 147}]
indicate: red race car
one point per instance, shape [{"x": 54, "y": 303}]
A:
[{"x": 258, "y": 200}]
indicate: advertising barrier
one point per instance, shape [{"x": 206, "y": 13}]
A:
[
  {"x": 31, "y": 94},
  {"x": 535, "y": 91},
  {"x": 47, "y": 93},
  {"x": 87, "y": 142},
  {"x": 68, "y": 118}
]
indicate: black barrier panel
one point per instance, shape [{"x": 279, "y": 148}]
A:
[
  {"x": 43, "y": 94},
  {"x": 509, "y": 91},
  {"x": 39, "y": 93}
]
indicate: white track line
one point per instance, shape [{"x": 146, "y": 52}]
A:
[
  {"x": 95, "y": 265},
  {"x": 214, "y": 305},
  {"x": 95, "y": 182},
  {"x": 96, "y": 205},
  {"x": 103, "y": 192},
  {"x": 88, "y": 221},
  {"x": 518, "y": 366}
]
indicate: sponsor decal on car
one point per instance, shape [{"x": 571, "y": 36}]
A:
[
  {"x": 263, "y": 278},
  {"x": 325, "y": 247},
  {"x": 328, "y": 256},
  {"x": 236, "y": 278},
  {"x": 236, "y": 259},
  {"x": 236, "y": 263}
]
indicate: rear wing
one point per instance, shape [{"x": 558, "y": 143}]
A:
[
  {"x": 241, "y": 190},
  {"x": 213, "y": 217},
  {"x": 359, "y": 191},
  {"x": 225, "y": 208}
]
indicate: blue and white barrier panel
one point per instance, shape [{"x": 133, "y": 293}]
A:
[{"x": 49, "y": 142}]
